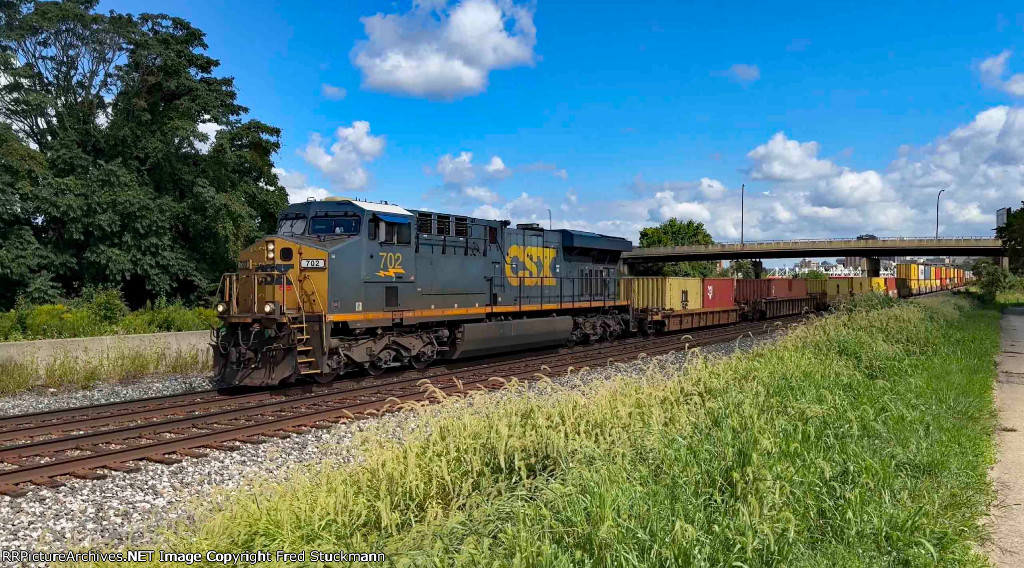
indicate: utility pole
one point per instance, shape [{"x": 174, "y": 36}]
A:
[
  {"x": 549, "y": 219},
  {"x": 743, "y": 190},
  {"x": 937, "y": 213}
]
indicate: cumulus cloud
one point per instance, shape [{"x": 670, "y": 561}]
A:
[
  {"x": 442, "y": 51},
  {"x": 561, "y": 174},
  {"x": 207, "y": 129},
  {"x": 496, "y": 168},
  {"x": 993, "y": 70},
  {"x": 741, "y": 73},
  {"x": 481, "y": 194},
  {"x": 782, "y": 159},
  {"x": 456, "y": 169},
  {"x": 332, "y": 92},
  {"x": 343, "y": 162},
  {"x": 298, "y": 188}
]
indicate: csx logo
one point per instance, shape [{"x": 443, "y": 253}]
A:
[{"x": 532, "y": 265}]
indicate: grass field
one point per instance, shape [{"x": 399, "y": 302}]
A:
[{"x": 860, "y": 440}]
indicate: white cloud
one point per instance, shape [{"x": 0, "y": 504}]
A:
[
  {"x": 208, "y": 129},
  {"x": 298, "y": 189},
  {"x": 561, "y": 174},
  {"x": 666, "y": 207},
  {"x": 496, "y": 168},
  {"x": 442, "y": 51},
  {"x": 481, "y": 194},
  {"x": 456, "y": 170},
  {"x": 712, "y": 188},
  {"x": 992, "y": 70},
  {"x": 742, "y": 73},
  {"x": 343, "y": 162},
  {"x": 332, "y": 92},
  {"x": 782, "y": 159}
]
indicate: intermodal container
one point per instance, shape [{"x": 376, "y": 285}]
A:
[
  {"x": 816, "y": 286},
  {"x": 749, "y": 290},
  {"x": 838, "y": 288},
  {"x": 890, "y": 287},
  {"x": 878, "y": 285},
  {"x": 902, "y": 287},
  {"x": 860, "y": 285},
  {"x": 788, "y": 288},
  {"x": 662, "y": 292},
  {"x": 719, "y": 293}
]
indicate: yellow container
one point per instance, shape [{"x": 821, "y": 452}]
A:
[
  {"x": 662, "y": 292},
  {"x": 817, "y": 286},
  {"x": 878, "y": 285},
  {"x": 838, "y": 287},
  {"x": 860, "y": 285}
]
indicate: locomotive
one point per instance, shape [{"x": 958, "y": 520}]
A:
[{"x": 352, "y": 285}]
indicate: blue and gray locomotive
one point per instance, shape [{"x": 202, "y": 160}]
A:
[{"x": 352, "y": 285}]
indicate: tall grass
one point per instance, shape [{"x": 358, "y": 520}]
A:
[
  {"x": 74, "y": 371},
  {"x": 860, "y": 440}
]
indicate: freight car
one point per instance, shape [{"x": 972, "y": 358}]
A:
[{"x": 346, "y": 284}]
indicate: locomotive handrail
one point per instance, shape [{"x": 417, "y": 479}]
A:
[{"x": 323, "y": 314}]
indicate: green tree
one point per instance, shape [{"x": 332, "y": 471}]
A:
[
  {"x": 129, "y": 192},
  {"x": 1012, "y": 235},
  {"x": 814, "y": 275},
  {"x": 991, "y": 277},
  {"x": 738, "y": 269},
  {"x": 676, "y": 233}
]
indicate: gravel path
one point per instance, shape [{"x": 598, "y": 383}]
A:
[
  {"x": 132, "y": 508},
  {"x": 53, "y": 399}
]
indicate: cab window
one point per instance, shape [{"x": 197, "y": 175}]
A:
[
  {"x": 347, "y": 225},
  {"x": 291, "y": 226},
  {"x": 397, "y": 233}
]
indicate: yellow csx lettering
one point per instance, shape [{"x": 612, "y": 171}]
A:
[{"x": 534, "y": 265}]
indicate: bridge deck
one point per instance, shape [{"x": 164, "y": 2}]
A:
[{"x": 817, "y": 248}]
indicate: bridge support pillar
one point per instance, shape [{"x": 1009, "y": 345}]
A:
[
  {"x": 1004, "y": 261},
  {"x": 758, "y": 268},
  {"x": 872, "y": 267}
]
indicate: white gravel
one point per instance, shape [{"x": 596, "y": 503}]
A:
[
  {"x": 39, "y": 400},
  {"x": 132, "y": 508}
]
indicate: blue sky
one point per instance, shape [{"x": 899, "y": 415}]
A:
[{"x": 618, "y": 115}]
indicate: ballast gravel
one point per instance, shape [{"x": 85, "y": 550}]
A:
[
  {"x": 53, "y": 399},
  {"x": 132, "y": 509}
]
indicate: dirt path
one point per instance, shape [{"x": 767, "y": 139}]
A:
[{"x": 1007, "y": 546}]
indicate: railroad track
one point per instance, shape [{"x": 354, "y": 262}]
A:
[{"x": 41, "y": 449}]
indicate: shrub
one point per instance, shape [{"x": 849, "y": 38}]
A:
[
  {"x": 106, "y": 304},
  {"x": 55, "y": 321},
  {"x": 9, "y": 328}
]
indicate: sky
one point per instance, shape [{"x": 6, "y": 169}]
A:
[{"x": 839, "y": 120}]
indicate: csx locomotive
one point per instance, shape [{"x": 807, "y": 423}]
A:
[{"x": 352, "y": 285}]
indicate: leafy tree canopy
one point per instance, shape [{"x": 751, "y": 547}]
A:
[
  {"x": 1012, "y": 235},
  {"x": 676, "y": 233},
  {"x": 814, "y": 275},
  {"x": 106, "y": 178}
]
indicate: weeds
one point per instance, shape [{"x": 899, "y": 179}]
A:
[
  {"x": 16, "y": 376},
  {"x": 861, "y": 439}
]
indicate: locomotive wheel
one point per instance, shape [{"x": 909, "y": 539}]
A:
[
  {"x": 374, "y": 369},
  {"x": 325, "y": 377},
  {"x": 421, "y": 360}
]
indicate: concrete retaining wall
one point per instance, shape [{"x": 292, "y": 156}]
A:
[{"x": 91, "y": 348}]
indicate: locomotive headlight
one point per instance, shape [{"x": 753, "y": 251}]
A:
[
  {"x": 270, "y": 255},
  {"x": 221, "y": 308},
  {"x": 270, "y": 250},
  {"x": 269, "y": 308}
]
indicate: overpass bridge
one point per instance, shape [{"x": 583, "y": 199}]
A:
[{"x": 821, "y": 248}]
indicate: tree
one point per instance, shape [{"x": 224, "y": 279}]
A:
[
  {"x": 675, "y": 233},
  {"x": 814, "y": 275},
  {"x": 738, "y": 269},
  {"x": 128, "y": 191},
  {"x": 1012, "y": 235},
  {"x": 991, "y": 277}
]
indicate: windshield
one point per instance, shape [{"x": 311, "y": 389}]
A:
[
  {"x": 348, "y": 225},
  {"x": 294, "y": 226}
]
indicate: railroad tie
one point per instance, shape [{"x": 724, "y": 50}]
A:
[
  {"x": 122, "y": 467},
  {"x": 88, "y": 474},
  {"x": 12, "y": 491},
  {"x": 222, "y": 447},
  {"x": 164, "y": 460},
  {"x": 192, "y": 453},
  {"x": 46, "y": 482}
]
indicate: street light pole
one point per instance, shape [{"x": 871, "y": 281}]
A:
[
  {"x": 937, "y": 213},
  {"x": 549, "y": 219},
  {"x": 743, "y": 190}
]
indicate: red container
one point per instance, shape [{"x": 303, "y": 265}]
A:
[
  {"x": 751, "y": 290},
  {"x": 719, "y": 293},
  {"x": 788, "y": 288}
]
